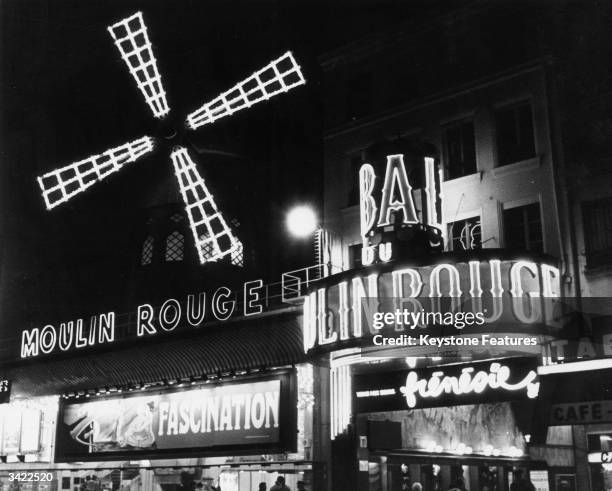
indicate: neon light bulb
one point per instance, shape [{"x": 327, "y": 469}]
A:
[
  {"x": 431, "y": 193},
  {"x": 213, "y": 238},
  {"x": 278, "y": 76},
  {"x": 132, "y": 41},
  {"x": 367, "y": 204},
  {"x": 59, "y": 185}
]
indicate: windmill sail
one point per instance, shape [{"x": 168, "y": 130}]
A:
[
  {"x": 132, "y": 40},
  {"x": 280, "y": 75},
  {"x": 213, "y": 237},
  {"x": 59, "y": 185}
]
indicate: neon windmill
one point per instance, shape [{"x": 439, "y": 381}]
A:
[{"x": 212, "y": 235}]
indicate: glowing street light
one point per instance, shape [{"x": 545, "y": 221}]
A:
[{"x": 301, "y": 221}]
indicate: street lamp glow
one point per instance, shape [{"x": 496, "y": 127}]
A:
[{"x": 301, "y": 221}]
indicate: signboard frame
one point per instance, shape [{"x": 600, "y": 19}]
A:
[
  {"x": 287, "y": 430},
  {"x": 389, "y": 382}
]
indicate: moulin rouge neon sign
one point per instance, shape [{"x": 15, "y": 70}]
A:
[
  {"x": 192, "y": 312},
  {"x": 469, "y": 382}
]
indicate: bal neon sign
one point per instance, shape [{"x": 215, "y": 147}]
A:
[
  {"x": 396, "y": 204},
  {"x": 468, "y": 382}
]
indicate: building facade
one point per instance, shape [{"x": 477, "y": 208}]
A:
[{"x": 522, "y": 178}]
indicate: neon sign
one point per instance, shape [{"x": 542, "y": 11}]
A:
[
  {"x": 255, "y": 414},
  {"x": 470, "y": 381},
  {"x": 396, "y": 204},
  {"x": 342, "y": 308},
  {"x": 192, "y": 312},
  {"x": 452, "y": 385}
]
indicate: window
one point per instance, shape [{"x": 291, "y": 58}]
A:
[
  {"x": 464, "y": 235},
  {"x": 355, "y": 255},
  {"x": 459, "y": 150},
  {"x": 515, "y": 141},
  {"x": 523, "y": 228},
  {"x": 597, "y": 219},
  {"x": 174, "y": 246},
  {"x": 147, "y": 251}
]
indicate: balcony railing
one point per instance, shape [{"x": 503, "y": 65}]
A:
[{"x": 295, "y": 283}]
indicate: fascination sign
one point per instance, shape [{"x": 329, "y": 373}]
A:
[{"x": 210, "y": 419}]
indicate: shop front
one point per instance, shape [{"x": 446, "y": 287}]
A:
[
  {"x": 445, "y": 426},
  {"x": 222, "y": 404},
  {"x": 232, "y": 434}
]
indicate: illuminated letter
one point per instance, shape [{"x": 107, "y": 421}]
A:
[
  {"x": 395, "y": 175},
  {"x": 144, "y": 324},
  {"x": 367, "y": 204},
  {"x": 324, "y": 337},
  {"x": 550, "y": 288},
  {"x": 107, "y": 328},
  {"x": 401, "y": 298},
  {"x": 213, "y": 414},
  {"x": 66, "y": 334},
  {"x": 194, "y": 425},
  {"x": 258, "y": 410},
  {"x": 518, "y": 292},
  {"x": 343, "y": 310},
  {"x": 184, "y": 418},
  {"x": 416, "y": 283},
  {"x": 310, "y": 321},
  {"x": 515, "y": 277},
  {"x": 431, "y": 193},
  {"x": 48, "y": 338},
  {"x": 93, "y": 330},
  {"x": 272, "y": 399},
  {"x": 385, "y": 251},
  {"x": 81, "y": 340},
  {"x": 29, "y": 343},
  {"x": 454, "y": 281},
  {"x": 225, "y": 423},
  {"x": 367, "y": 255},
  {"x": 475, "y": 287},
  {"x": 369, "y": 306},
  {"x": 252, "y": 297},
  {"x": 171, "y": 305},
  {"x": 219, "y": 308},
  {"x": 195, "y": 318},
  {"x": 163, "y": 416}
]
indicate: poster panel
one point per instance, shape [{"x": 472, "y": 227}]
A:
[{"x": 211, "y": 420}]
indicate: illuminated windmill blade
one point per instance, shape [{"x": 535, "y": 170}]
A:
[
  {"x": 213, "y": 238},
  {"x": 130, "y": 35},
  {"x": 59, "y": 185},
  {"x": 278, "y": 76}
]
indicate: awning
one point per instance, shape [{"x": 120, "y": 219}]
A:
[{"x": 257, "y": 343}]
